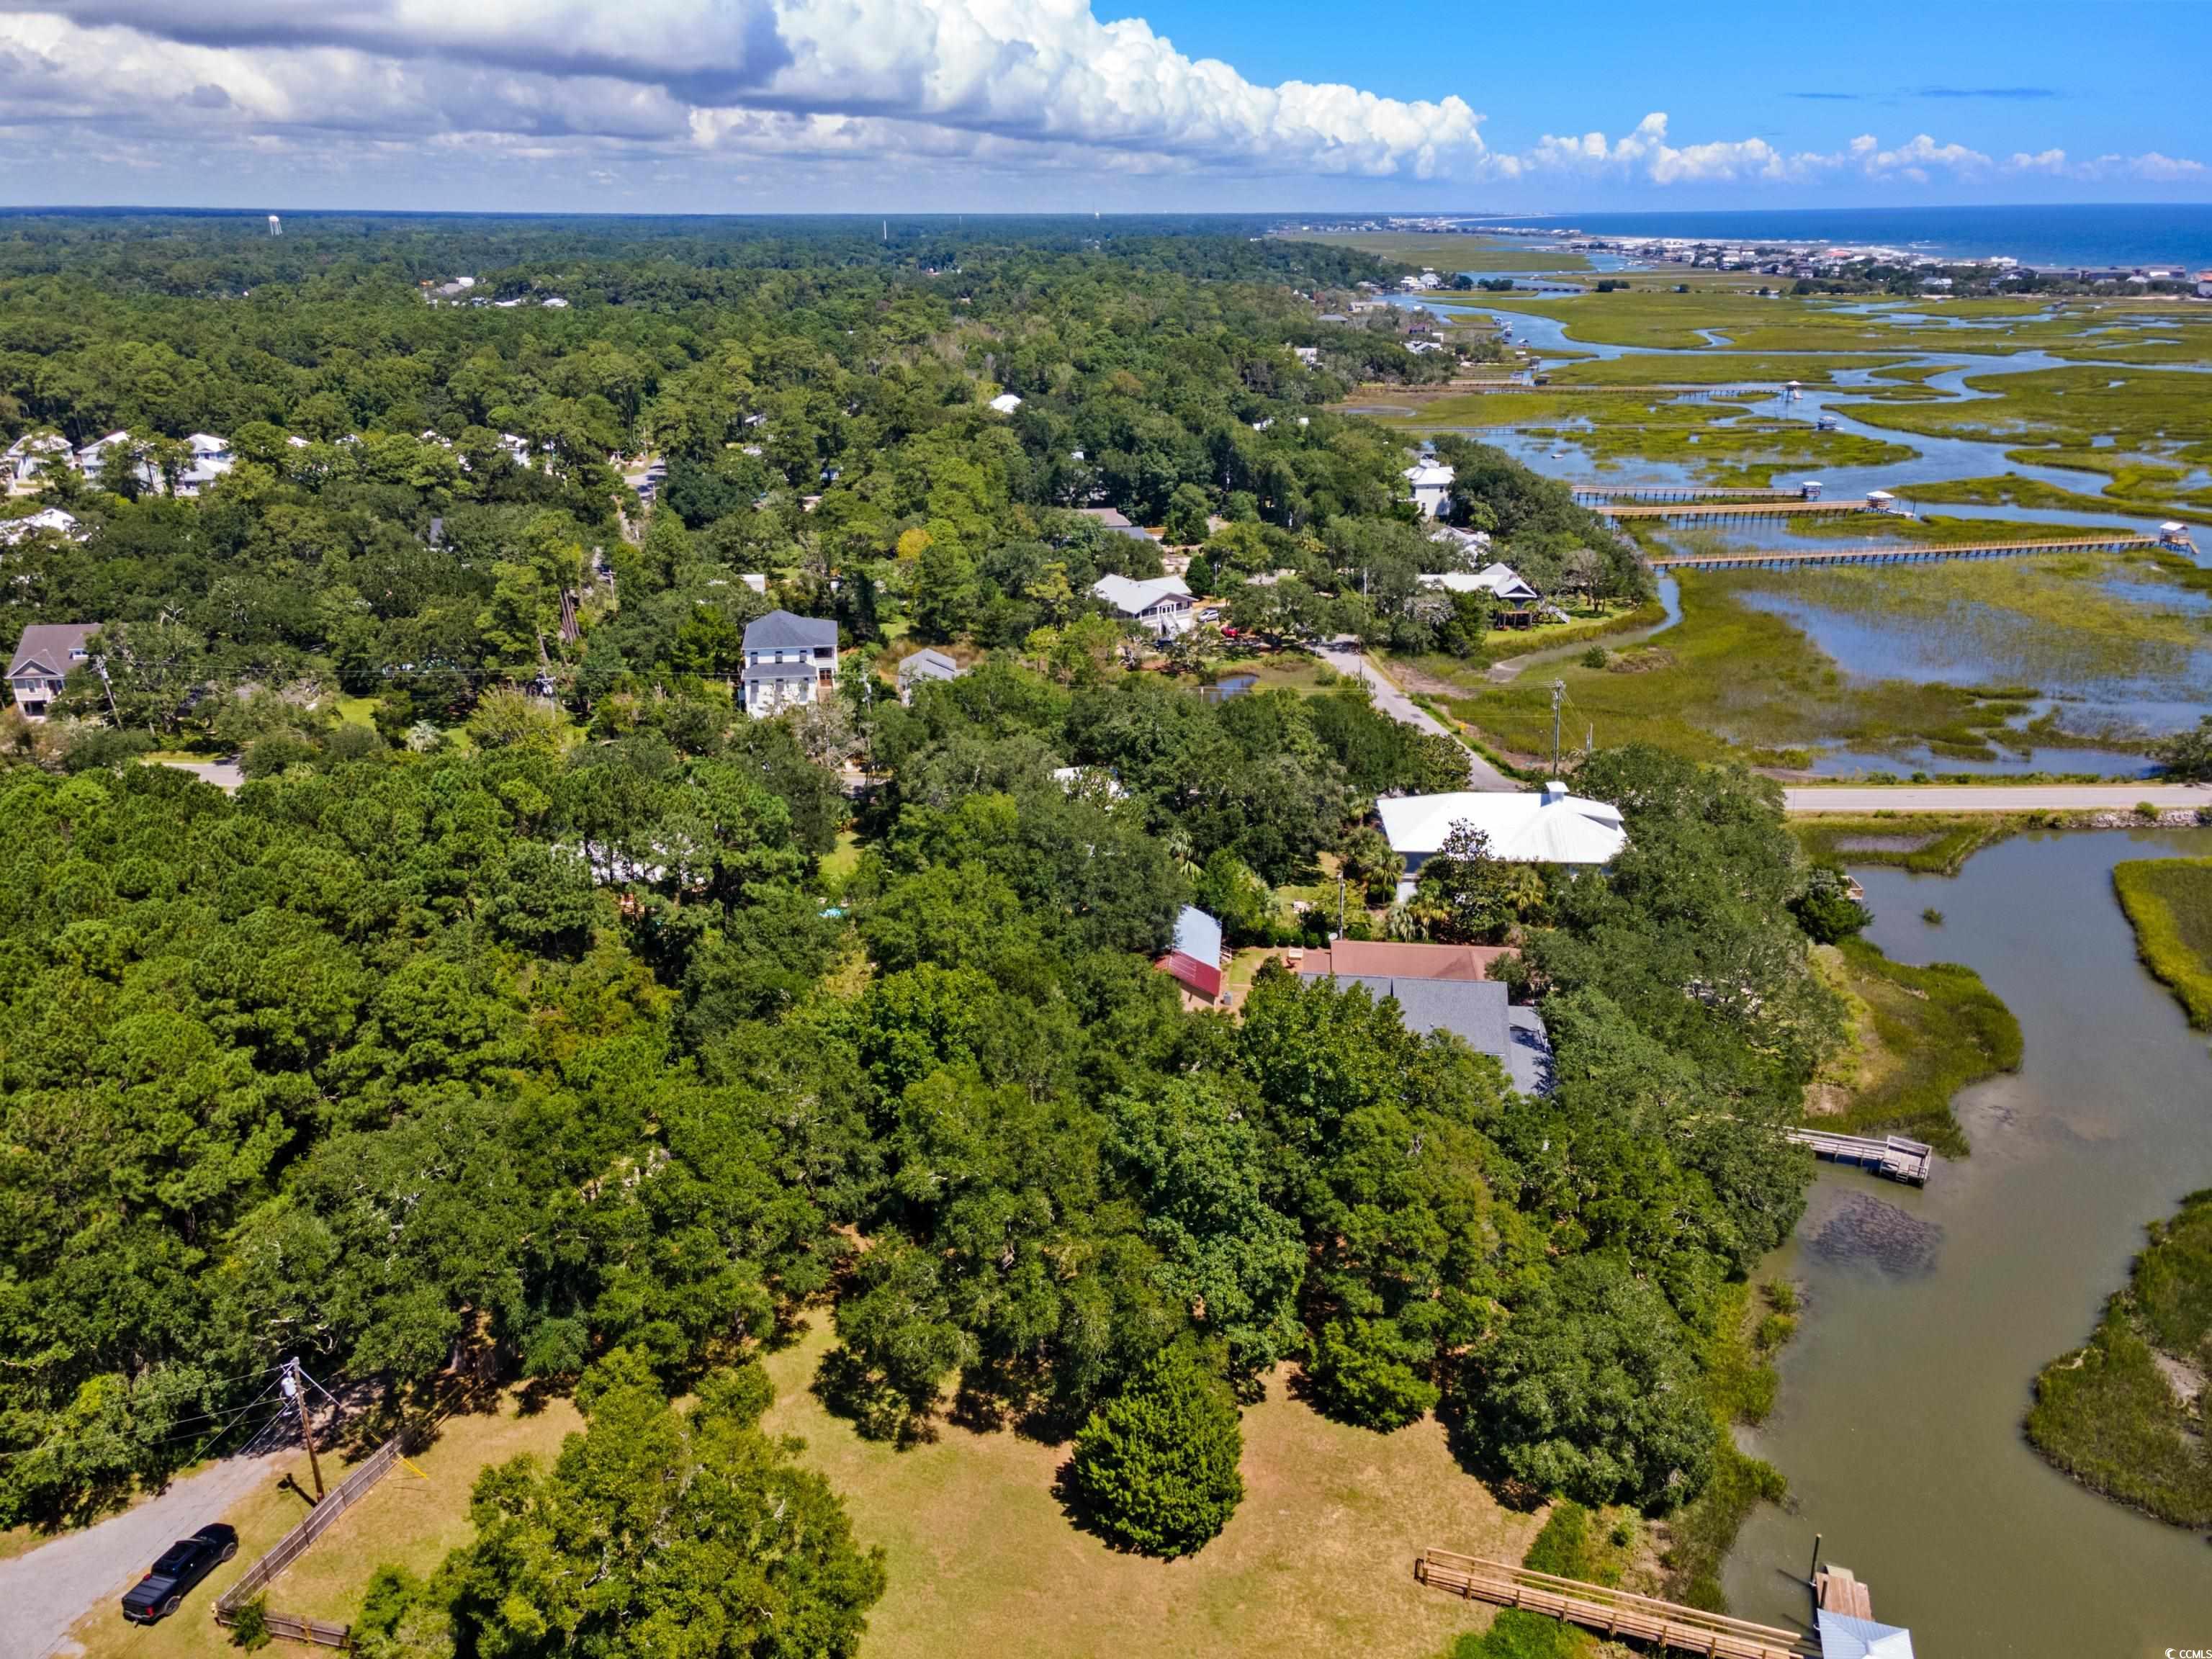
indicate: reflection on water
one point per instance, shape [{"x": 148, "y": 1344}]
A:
[
  {"x": 1899, "y": 1422},
  {"x": 1228, "y": 686},
  {"x": 1841, "y": 763},
  {"x": 1973, "y": 644}
]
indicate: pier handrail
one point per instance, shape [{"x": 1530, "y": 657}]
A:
[{"x": 1673, "y": 1613}]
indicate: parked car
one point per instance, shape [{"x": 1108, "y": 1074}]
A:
[{"x": 182, "y": 1566}]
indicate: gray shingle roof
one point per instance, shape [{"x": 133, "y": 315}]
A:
[
  {"x": 929, "y": 665},
  {"x": 45, "y": 648},
  {"x": 779, "y": 630},
  {"x": 1475, "y": 1010}
]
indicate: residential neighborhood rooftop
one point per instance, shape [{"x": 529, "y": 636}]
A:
[{"x": 1549, "y": 826}]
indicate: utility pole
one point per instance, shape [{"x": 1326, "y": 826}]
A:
[
  {"x": 1559, "y": 690},
  {"x": 298, "y": 1396}
]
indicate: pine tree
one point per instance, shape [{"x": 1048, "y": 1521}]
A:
[{"x": 1155, "y": 1469}]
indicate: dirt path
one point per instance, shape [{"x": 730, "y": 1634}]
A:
[
  {"x": 44, "y": 1593},
  {"x": 1392, "y": 699}
]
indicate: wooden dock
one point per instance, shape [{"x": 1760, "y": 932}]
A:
[
  {"x": 1610, "y": 1613},
  {"x": 1838, "y": 1590},
  {"x": 1782, "y": 558},
  {"x": 1892, "y": 1156},
  {"x": 1769, "y": 506},
  {"x": 1689, "y": 493}
]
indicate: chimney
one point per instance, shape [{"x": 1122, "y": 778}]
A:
[{"x": 1554, "y": 792}]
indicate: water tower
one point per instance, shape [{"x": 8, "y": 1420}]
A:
[{"x": 276, "y": 226}]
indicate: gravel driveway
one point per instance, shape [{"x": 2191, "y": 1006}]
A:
[
  {"x": 1391, "y": 699},
  {"x": 44, "y": 1593}
]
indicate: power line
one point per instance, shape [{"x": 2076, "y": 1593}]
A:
[{"x": 209, "y": 1437}]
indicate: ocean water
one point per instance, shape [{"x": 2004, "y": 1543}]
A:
[{"x": 2100, "y": 233}]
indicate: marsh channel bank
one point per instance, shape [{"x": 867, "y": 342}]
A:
[{"x": 1928, "y": 1313}]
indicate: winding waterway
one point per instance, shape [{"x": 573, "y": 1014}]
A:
[{"x": 1928, "y": 1314}]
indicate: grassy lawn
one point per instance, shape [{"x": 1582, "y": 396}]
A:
[
  {"x": 1918, "y": 1035},
  {"x": 406, "y": 1520},
  {"x": 1317, "y": 1561},
  {"x": 841, "y": 860},
  {"x": 2169, "y": 900},
  {"x": 2115, "y": 1414}
]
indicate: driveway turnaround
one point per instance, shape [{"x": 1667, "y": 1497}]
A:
[
  {"x": 44, "y": 1593},
  {"x": 1995, "y": 797},
  {"x": 1392, "y": 699}
]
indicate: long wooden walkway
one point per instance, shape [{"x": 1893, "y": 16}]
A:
[
  {"x": 1893, "y": 1156},
  {"x": 1779, "y": 558},
  {"x": 1771, "y": 507},
  {"x": 1692, "y": 390},
  {"x": 1685, "y": 493},
  {"x": 1609, "y": 1611}
]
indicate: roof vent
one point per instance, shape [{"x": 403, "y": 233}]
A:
[{"x": 1554, "y": 790}]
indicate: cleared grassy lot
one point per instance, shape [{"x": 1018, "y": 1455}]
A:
[{"x": 1318, "y": 1559}]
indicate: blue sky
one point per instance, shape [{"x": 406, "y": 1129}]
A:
[{"x": 1022, "y": 104}]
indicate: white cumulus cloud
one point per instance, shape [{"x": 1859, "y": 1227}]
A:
[{"x": 654, "y": 95}]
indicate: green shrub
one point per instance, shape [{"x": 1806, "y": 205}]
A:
[
  {"x": 249, "y": 1627},
  {"x": 1155, "y": 1469}
]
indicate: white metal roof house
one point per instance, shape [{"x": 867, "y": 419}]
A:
[
  {"x": 790, "y": 661},
  {"x": 1549, "y": 826},
  {"x": 12, "y": 531},
  {"x": 1501, "y": 580},
  {"x": 43, "y": 660},
  {"x": 1161, "y": 606},
  {"x": 1005, "y": 403},
  {"x": 1431, "y": 482}
]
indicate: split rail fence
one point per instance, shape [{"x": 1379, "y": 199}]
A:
[{"x": 294, "y": 1543}]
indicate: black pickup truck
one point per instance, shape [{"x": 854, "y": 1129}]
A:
[{"x": 182, "y": 1566}]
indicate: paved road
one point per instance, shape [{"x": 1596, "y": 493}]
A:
[
  {"x": 44, "y": 1593},
  {"x": 224, "y": 773},
  {"x": 1392, "y": 699},
  {"x": 1995, "y": 797}
]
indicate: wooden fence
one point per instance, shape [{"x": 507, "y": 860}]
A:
[{"x": 294, "y": 1543}]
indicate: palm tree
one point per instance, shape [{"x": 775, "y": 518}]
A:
[{"x": 1183, "y": 854}]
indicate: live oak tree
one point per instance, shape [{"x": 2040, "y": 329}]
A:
[{"x": 657, "y": 1532}]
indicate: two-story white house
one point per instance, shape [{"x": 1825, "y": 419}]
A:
[
  {"x": 1432, "y": 483},
  {"x": 211, "y": 458},
  {"x": 43, "y": 657},
  {"x": 790, "y": 661},
  {"x": 1162, "y": 606},
  {"x": 30, "y": 455}
]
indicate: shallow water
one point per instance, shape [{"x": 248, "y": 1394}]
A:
[
  {"x": 2059, "y": 761},
  {"x": 1925, "y": 1322},
  {"x": 2166, "y": 694},
  {"x": 1934, "y": 458}
]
